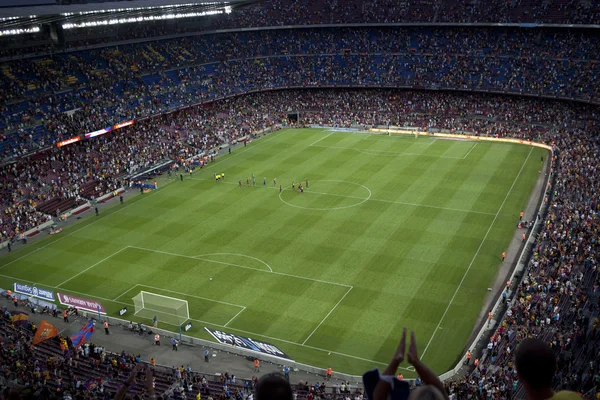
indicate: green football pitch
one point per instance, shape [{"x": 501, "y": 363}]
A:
[{"x": 392, "y": 232}]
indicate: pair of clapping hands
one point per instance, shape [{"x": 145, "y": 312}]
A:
[{"x": 432, "y": 383}]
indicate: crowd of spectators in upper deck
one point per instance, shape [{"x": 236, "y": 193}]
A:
[
  {"x": 49, "y": 99},
  {"x": 52, "y": 98}
]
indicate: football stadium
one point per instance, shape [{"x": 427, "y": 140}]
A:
[{"x": 299, "y": 200}]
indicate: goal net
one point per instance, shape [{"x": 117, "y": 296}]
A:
[{"x": 167, "y": 309}]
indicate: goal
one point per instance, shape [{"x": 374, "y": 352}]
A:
[
  {"x": 169, "y": 310},
  {"x": 407, "y": 132}
]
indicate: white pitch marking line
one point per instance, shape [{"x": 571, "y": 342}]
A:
[
  {"x": 401, "y": 137},
  {"x": 236, "y": 254},
  {"x": 67, "y": 290},
  {"x": 391, "y": 153},
  {"x": 240, "y": 266},
  {"x": 475, "y": 145},
  {"x": 364, "y": 199},
  {"x": 188, "y": 295},
  {"x": 222, "y": 326},
  {"x": 476, "y": 254},
  {"x": 234, "y": 317},
  {"x": 130, "y": 204},
  {"x": 295, "y": 343},
  {"x": 372, "y": 199},
  {"x": 328, "y": 314},
  {"x": 87, "y": 269},
  {"x": 122, "y": 294},
  {"x": 323, "y": 138},
  {"x": 435, "y": 207}
]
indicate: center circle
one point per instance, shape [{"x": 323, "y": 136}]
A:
[{"x": 330, "y": 194}]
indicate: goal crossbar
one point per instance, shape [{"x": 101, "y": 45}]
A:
[{"x": 167, "y": 309}]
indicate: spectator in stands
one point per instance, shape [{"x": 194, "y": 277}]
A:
[
  {"x": 274, "y": 387},
  {"x": 536, "y": 364}
]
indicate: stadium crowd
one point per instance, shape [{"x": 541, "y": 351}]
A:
[
  {"x": 54, "y": 98},
  {"x": 295, "y": 12},
  {"x": 58, "y": 368},
  {"x": 559, "y": 298},
  {"x": 49, "y": 99}
]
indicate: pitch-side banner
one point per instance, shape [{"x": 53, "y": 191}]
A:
[
  {"x": 34, "y": 291},
  {"x": 247, "y": 343},
  {"x": 78, "y": 302}
]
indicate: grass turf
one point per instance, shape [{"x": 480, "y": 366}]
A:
[{"x": 388, "y": 229}]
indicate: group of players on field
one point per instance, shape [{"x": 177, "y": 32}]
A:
[{"x": 219, "y": 177}]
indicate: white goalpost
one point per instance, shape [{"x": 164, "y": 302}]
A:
[{"x": 167, "y": 309}]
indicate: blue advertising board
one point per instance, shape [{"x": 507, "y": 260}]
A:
[{"x": 34, "y": 291}]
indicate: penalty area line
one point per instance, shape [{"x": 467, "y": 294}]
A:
[
  {"x": 125, "y": 292},
  {"x": 240, "y": 266},
  {"x": 253, "y": 334},
  {"x": 189, "y": 295},
  {"x": 221, "y": 326},
  {"x": 328, "y": 314},
  {"x": 234, "y": 317},
  {"x": 323, "y": 138}
]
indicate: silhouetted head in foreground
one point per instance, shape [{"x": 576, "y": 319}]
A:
[
  {"x": 428, "y": 392},
  {"x": 536, "y": 364},
  {"x": 273, "y": 387}
]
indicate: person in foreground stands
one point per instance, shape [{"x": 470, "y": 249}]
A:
[
  {"x": 274, "y": 387},
  {"x": 132, "y": 377},
  {"x": 536, "y": 364},
  {"x": 433, "y": 389}
]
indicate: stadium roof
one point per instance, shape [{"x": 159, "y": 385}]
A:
[{"x": 29, "y": 13}]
